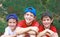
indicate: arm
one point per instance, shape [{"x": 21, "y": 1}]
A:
[
  {"x": 20, "y": 30},
  {"x": 54, "y": 34},
  {"x": 7, "y": 34},
  {"x": 35, "y": 29},
  {"x": 32, "y": 32},
  {"x": 50, "y": 31},
  {"x": 42, "y": 33}
]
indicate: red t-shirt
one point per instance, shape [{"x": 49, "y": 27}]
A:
[
  {"x": 41, "y": 28},
  {"x": 53, "y": 28},
  {"x": 23, "y": 24}
]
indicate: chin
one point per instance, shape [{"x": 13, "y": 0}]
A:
[
  {"x": 27, "y": 21},
  {"x": 46, "y": 26},
  {"x": 13, "y": 28}
]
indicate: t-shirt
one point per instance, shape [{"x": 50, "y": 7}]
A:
[
  {"x": 40, "y": 28},
  {"x": 23, "y": 24},
  {"x": 53, "y": 28},
  {"x": 8, "y": 31}
]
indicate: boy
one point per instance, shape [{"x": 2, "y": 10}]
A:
[
  {"x": 12, "y": 21},
  {"x": 29, "y": 25}
]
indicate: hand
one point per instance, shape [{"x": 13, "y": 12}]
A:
[
  {"x": 49, "y": 31},
  {"x": 44, "y": 36},
  {"x": 32, "y": 32},
  {"x": 14, "y": 35},
  {"x": 48, "y": 34},
  {"x": 34, "y": 29}
]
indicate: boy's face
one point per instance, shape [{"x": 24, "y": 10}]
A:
[
  {"x": 46, "y": 21},
  {"x": 12, "y": 23},
  {"x": 29, "y": 17}
]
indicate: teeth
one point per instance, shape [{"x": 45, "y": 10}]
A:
[{"x": 12, "y": 26}]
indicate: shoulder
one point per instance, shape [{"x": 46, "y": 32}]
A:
[
  {"x": 41, "y": 28},
  {"x": 35, "y": 23},
  {"x": 7, "y": 28},
  {"x": 21, "y": 23},
  {"x": 53, "y": 28}
]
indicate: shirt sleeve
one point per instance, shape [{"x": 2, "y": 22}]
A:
[
  {"x": 53, "y": 28},
  {"x": 36, "y": 24},
  {"x": 41, "y": 28},
  {"x": 6, "y": 31},
  {"x": 19, "y": 24}
]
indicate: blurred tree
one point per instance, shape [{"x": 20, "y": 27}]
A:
[{"x": 18, "y": 6}]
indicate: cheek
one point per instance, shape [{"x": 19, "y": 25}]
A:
[
  {"x": 15, "y": 24},
  {"x": 49, "y": 21},
  {"x": 32, "y": 18},
  {"x": 26, "y": 17},
  {"x": 46, "y": 23},
  {"x": 43, "y": 22}
]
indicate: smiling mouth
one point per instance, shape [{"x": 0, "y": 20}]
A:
[
  {"x": 28, "y": 19},
  {"x": 12, "y": 26}
]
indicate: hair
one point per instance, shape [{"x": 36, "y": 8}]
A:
[{"x": 47, "y": 13}]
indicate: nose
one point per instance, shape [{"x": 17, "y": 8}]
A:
[
  {"x": 28, "y": 16},
  {"x": 12, "y": 23},
  {"x": 46, "y": 21}
]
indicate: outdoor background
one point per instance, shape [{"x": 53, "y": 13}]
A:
[{"x": 18, "y": 6}]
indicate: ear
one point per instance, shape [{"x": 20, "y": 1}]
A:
[
  {"x": 34, "y": 17},
  {"x": 41, "y": 20},
  {"x": 51, "y": 20},
  {"x": 24, "y": 15}
]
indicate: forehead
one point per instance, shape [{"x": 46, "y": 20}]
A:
[
  {"x": 12, "y": 19},
  {"x": 46, "y": 17},
  {"x": 29, "y": 13}
]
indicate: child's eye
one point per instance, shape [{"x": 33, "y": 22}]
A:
[
  {"x": 47, "y": 19},
  {"x": 44, "y": 20},
  {"x": 31, "y": 15},
  {"x": 27, "y": 14},
  {"x": 13, "y": 22},
  {"x": 10, "y": 22}
]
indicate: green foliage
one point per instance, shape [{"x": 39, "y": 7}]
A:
[
  {"x": 2, "y": 26},
  {"x": 18, "y": 6}
]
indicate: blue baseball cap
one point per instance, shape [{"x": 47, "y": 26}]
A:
[
  {"x": 12, "y": 16},
  {"x": 31, "y": 9}
]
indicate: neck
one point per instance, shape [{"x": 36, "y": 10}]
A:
[
  {"x": 29, "y": 24},
  {"x": 13, "y": 29},
  {"x": 47, "y": 27}
]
